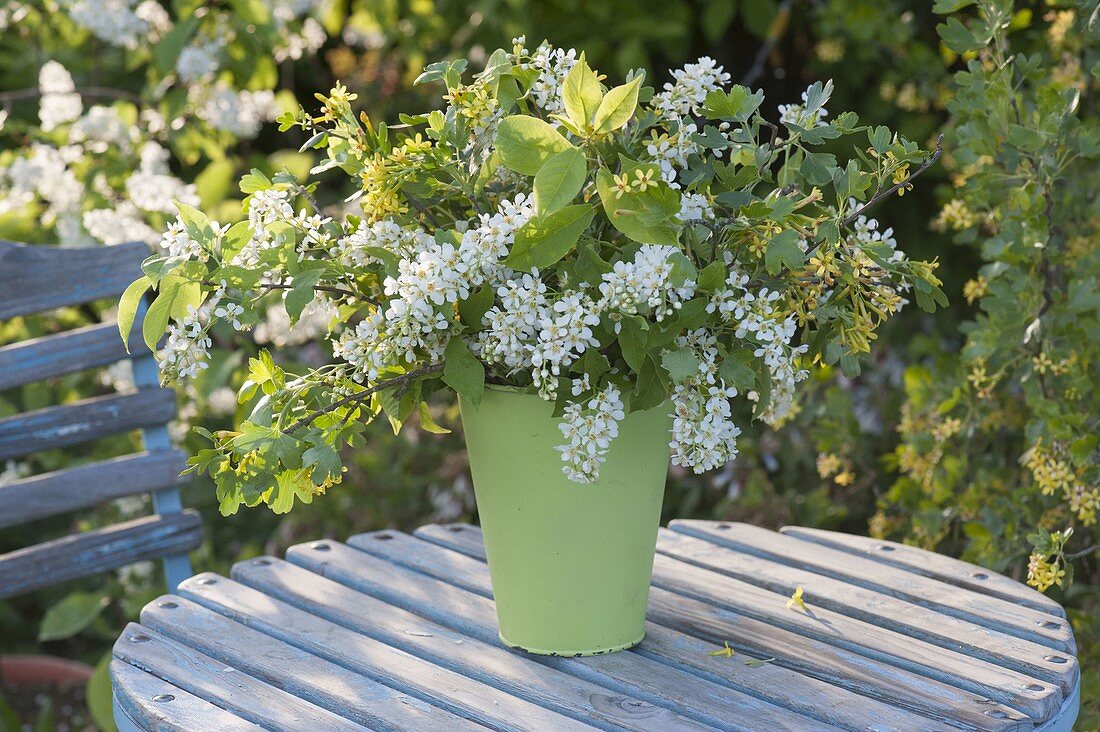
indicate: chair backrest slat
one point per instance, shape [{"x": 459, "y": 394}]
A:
[
  {"x": 89, "y": 485},
  {"x": 65, "y": 353},
  {"x": 99, "y": 550},
  {"x": 83, "y": 421},
  {"x": 37, "y": 278}
]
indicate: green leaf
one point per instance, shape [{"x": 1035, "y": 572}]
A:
[
  {"x": 737, "y": 104},
  {"x": 681, "y": 365},
  {"x": 525, "y": 143},
  {"x": 783, "y": 251},
  {"x": 428, "y": 423},
  {"x": 712, "y": 277},
  {"x": 301, "y": 293},
  {"x": 473, "y": 308},
  {"x": 172, "y": 301},
  {"x": 128, "y": 306},
  {"x": 72, "y": 614},
  {"x": 617, "y": 107},
  {"x": 943, "y": 7},
  {"x": 254, "y": 181},
  {"x": 546, "y": 239},
  {"x": 817, "y": 168},
  {"x": 646, "y": 217},
  {"x": 958, "y": 37},
  {"x": 632, "y": 340},
  {"x": 463, "y": 372},
  {"x": 100, "y": 697},
  {"x": 559, "y": 180},
  {"x": 581, "y": 93},
  {"x": 736, "y": 370},
  {"x": 324, "y": 460},
  {"x": 168, "y": 48}
]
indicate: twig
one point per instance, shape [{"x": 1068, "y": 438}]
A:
[
  {"x": 281, "y": 286},
  {"x": 90, "y": 91},
  {"x": 778, "y": 26},
  {"x": 363, "y": 394},
  {"x": 882, "y": 195},
  {"x": 1082, "y": 553}
]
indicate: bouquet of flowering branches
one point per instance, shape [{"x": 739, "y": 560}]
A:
[{"x": 608, "y": 247}]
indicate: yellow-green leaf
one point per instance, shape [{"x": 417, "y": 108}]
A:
[
  {"x": 525, "y": 143},
  {"x": 617, "y": 106},
  {"x": 581, "y": 93},
  {"x": 128, "y": 306},
  {"x": 559, "y": 180}
]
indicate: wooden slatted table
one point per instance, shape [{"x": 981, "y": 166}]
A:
[{"x": 397, "y": 631}]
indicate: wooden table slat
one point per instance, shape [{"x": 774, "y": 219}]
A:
[
  {"x": 396, "y": 631},
  {"x": 929, "y": 564},
  {"x": 627, "y": 672},
  {"x": 775, "y": 683},
  {"x": 224, "y": 686},
  {"x": 991, "y": 612},
  {"x": 916, "y": 621},
  {"x": 311, "y": 595},
  {"x": 153, "y": 703},
  {"x": 359, "y": 696},
  {"x": 820, "y": 659}
]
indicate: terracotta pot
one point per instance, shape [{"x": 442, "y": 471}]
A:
[{"x": 26, "y": 669}]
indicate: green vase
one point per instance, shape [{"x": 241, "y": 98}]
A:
[{"x": 570, "y": 563}]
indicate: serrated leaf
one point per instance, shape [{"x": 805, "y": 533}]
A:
[
  {"x": 559, "y": 180},
  {"x": 681, "y": 365},
  {"x": 783, "y": 251}
]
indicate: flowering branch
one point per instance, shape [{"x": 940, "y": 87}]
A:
[
  {"x": 881, "y": 195},
  {"x": 401, "y": 380}
]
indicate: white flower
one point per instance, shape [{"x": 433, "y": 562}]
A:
[
  {"x": 589, "y": 429},
  {"x": 59, "y": 102},
  {"x": 240, "y": 113},
  {"x": 178, "y": 244},
  {"x": 695, "y": 207},
  {"x": 118, "y": 225},
  {"x": 796, "y": 114},
  {"x": 197, "y": 61},
  {"x": 13, "y": 471},
  {"x": 222, "y": 401},
  {"x": 113, "y": 21},
  {"x": 643, "y": 284},
  {"x": 314, "y": 322},
  {"x": 187, "y": 349},
  {"x": 552, "y": 64},
  {"x": 158, "y": 192},
  {"x": 100, "y": 128},
  {"x": 689, "y": 87}
]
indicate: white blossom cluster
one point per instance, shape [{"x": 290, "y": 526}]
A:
[
  {"x": 796, "y": 114},
  {"x": 432, "y": 276},
  {"x": 689, "y": 87},
  {"x": 187, "y": 349},
  {"x": 511, "y": 328},
  {"x": 59, "y": 103},
  {"x": 118, "y": 22},
  {"x": 671, "y": 152},
  {"x": 642, "y": 285},
  {"x": 552, "y": 64},
  {"x": 588, "y": 428},
  {"x": 241, "y": 113},
  {"x": 704, "y": 435},
  {"x": 753, "y": 317},
  {"x": 197, "y": 62},
  {"x": 265, "y": 207},
  {"x": 313, "y": 323}
]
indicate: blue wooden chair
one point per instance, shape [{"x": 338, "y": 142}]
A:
[{"x": 35, "y": 279}]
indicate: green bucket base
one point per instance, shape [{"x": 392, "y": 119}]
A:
[{"x": 572, "y": 654}]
